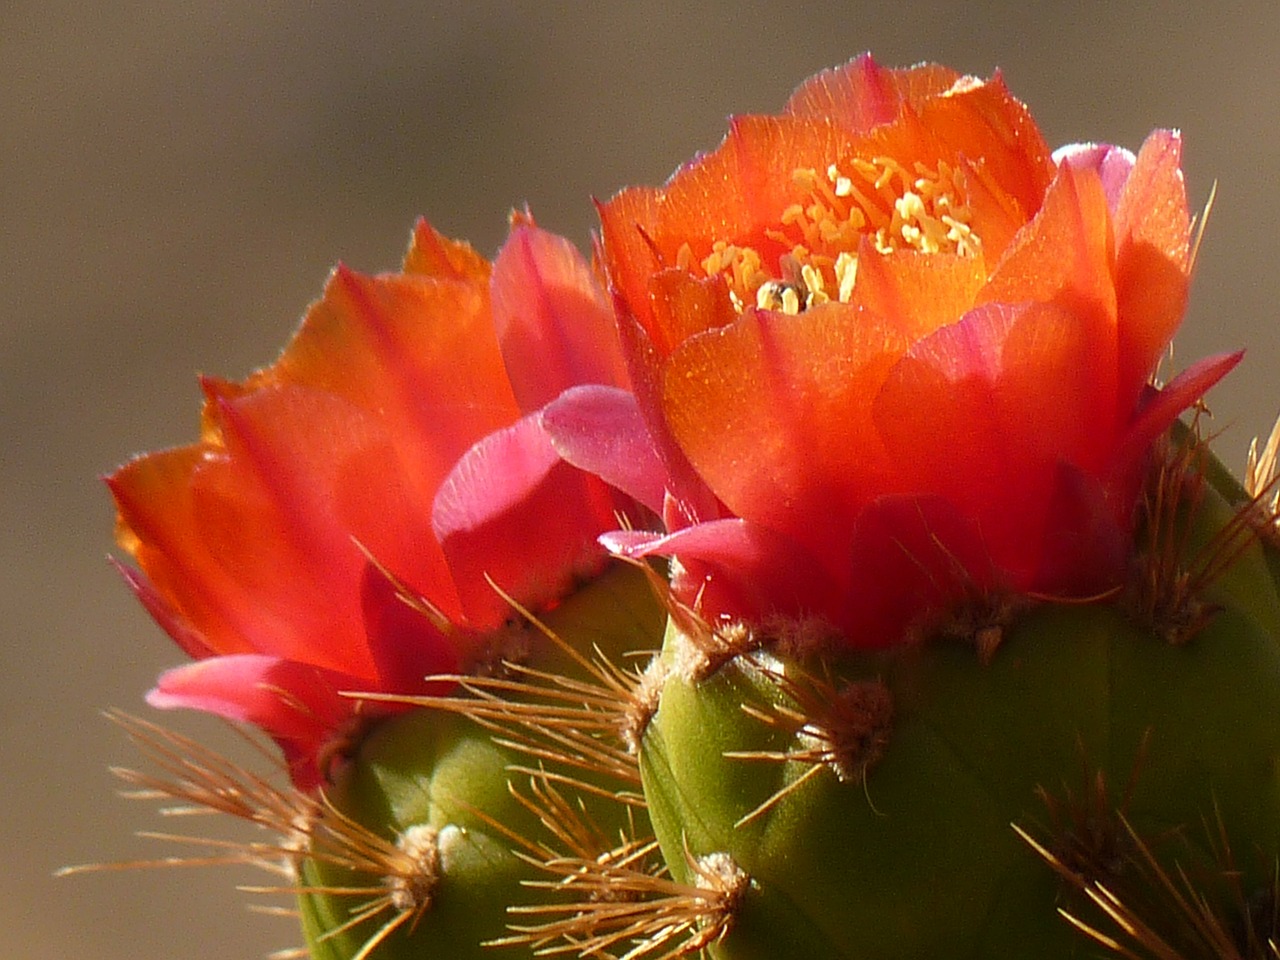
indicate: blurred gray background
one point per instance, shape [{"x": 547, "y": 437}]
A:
[{"x": 177, "y": 179}]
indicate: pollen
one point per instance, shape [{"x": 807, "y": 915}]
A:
[{"x": 893, "y": 205}]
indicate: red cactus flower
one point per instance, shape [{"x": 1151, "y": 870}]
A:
[
  {"x": 395, "y": 449},
  {"x": 892, "y": 352}
]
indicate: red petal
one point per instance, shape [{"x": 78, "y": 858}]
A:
[
  {"x": 553, "y": 321},
  {"x": 171, "y": 620},
  {"x": 1153, "y": 205},
  {"x": 691, "y": 498},
  {"x": 1111, "y": 163},
  {"x": 1088, "y": 538},
  {"x": 406, "y": 644},
  {"x": 912, "y": 559},
  {"x": 682, "y": 305}
]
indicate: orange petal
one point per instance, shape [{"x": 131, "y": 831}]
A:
[
  {"x": 431, "y": 254},
  {"x": 984, "y": 122},
  {"x": 862, "y": 94},
  {"x": 158, "y": 525},
  {"x": 917, "y": 293},
  {"x": 419, "y": 354},
  {"x": 774, "y": 413},
  {"x": 684, "y": 305},
  {"x": 1153, "y": 205},
  {"x": 1063, "y": 257},
  {"x": 858, "y": 96},
  {"x": 981, "y": 412},
  {"x": 1153, "y": 257}
]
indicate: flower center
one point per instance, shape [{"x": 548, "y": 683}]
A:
[{"x": 879, "y": 198}]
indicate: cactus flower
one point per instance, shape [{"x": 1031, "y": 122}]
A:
[
  {"x": 893, "y": 353},
  {"x": 393, "y": 453}
]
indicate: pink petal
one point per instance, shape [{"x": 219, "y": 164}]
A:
[
  {"x": 513, "y": 512},
  {"x": 601, "y": 430},
  {"x": 297, "y": 704},
  {"x": 1113, "y": 165},
  {"x": 1162, "y": 407},
  {"x": 737, "y": 568}
]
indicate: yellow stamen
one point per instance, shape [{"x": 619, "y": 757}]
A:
[{"x": 879, "y": 198}]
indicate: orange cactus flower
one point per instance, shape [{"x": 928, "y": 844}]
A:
[
  {"x": 394, "y": 450},
  {"x": 893, "y": 352}
]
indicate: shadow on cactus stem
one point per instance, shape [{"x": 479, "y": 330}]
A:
[
  {"x": 1162, "y": 897},
  {"x": 607, "y": 897},
  {"x": 1149, "y": 903}
]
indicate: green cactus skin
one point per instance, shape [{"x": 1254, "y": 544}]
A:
[
  {"x": 427, "y": 768},
  {"x": 443, "y": 770},
  {"x": 920, "y": 861}
]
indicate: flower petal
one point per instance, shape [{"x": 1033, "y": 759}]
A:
[
  {"x": 736, "y": 568},
  {"x": 1153, "y": 243},
  {"x": 553, "y": 321},
  {"x": 431, "y": 254},
  {"x": 170, "y": 619},
  {"x": 600, "y": 430},
  {"x": 1161, "y": 407},
  {"x": 917, "y": 293},
  {"x": 913, "y": 558},
  {"x": 774, "y": 413},
  {"x": 513, "y": 512},
  {"x": 1112, "y": 164},
  {"x": 406, "y": 644},
  {"x": 978, "y": 413},
  {"x": 296, "y": 704},
  {"x": 859, "y": 95}
]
